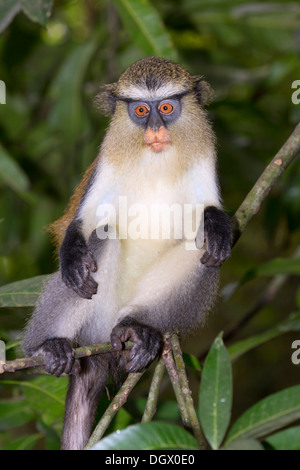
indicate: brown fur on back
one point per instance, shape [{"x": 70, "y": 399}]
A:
[{"x": 59, "y": 227}]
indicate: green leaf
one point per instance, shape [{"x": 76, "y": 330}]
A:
[
  {"x": 292, "y": 323},
  {"x": 276, "y": 266},
  {"x": 22, "y": 293},
  {"x": 289, "y": 439},
  {"x": 38, "y": 11},
  {"x": 45, "y": 396},
  {"x": 8, "y": 10},
  {"x": 268, "y": 415},
  {"x": 192, "y": 362},
  {"x": 215, "y": 397},
  {"x": 12, "y": 174},
  {"x": 14, "y": 413},
  {"x": 146, "y": 28},
  {"x": 244, "y": 444},
  {"x": 148, "y": 436},
  {"x": 68, "y": 114},
  {"x": 23, "y": 443},
  {"x": 121, "y": 420},
  {"x": 167, "y": 411}
]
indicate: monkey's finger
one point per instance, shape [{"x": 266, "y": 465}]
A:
[
  {"x": 61, "y": 367},
  {"x": 91, "y": 283},
  {"x": 90, "y": 262},
  {"x": 76, "y": 367},
  {"x": 85, "y": 288},
  {"x": 210, "y": 260},
  {"x": 75, "y": 277},
  {"x": 54, "y": 365},
  {"x": 206, "y": 257},
  {"x": 140, "y": 359},
  {"x": 116, "y": 342},
  {"x": 69, "y": 359},
  {"x": 83, "y": 291}
]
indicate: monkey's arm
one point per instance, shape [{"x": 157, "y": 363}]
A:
[
  {"x": 77, "y": 262},
  {"x": 217, "y": 233},
  {"x": 53, "y": 326}
]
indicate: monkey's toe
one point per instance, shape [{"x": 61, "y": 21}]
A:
[
  {"x": 147, "y": 343},
  {"x": 59, "y": 356},
  {"x": 141, "y": 358}
]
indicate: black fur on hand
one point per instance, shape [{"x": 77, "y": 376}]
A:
[
  {"x": 77, "y": 263},
  {"x": 59, "y": 356},
  {"x": 148, "y": 343},
  {"x": 217, "y": 233}
]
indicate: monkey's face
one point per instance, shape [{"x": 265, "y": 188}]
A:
[
  {"x": 157, "y": 110},
  {"x": 155, "y": 116}
]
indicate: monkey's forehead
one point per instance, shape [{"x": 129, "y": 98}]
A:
[{"x": 153, "y": 78}]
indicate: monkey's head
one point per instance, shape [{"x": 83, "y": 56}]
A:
[{"x": 160, "y": 101}]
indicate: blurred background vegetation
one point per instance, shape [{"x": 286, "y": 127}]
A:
[{"x": 53, "y": 60}]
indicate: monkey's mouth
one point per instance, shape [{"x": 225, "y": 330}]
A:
[
  {"x": 157, "y": 141},
  {"x": 158, "y": 146}
]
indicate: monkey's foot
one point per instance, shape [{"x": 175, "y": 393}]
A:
[
  {"x": 147, "y": 343},
  {"x": 59, "y": 356}
]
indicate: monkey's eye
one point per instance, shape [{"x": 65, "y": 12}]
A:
[
  {"x": 141, "y": 110},
  {"x": 166, "y": 108}
]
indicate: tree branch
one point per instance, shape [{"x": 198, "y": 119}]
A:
[
  {"x": 39, "y": 361},
  {"x": 151, "y": 404},
  {"x": 173, "y": 374},
  {"x": 117, "y": 403},
  {"x": 254, "y": 199},
  {"x": 184, "y": 385}
]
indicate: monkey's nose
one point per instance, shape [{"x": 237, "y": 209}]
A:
[
  {"x": 155, "y": 122},
  {"x": 161, "y": 135}
]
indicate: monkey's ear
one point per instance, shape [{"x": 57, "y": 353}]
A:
[
  {"x": 105, "y": 100},
  {"x": 203, "y": 91}
]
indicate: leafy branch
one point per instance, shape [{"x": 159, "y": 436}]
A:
[{"x": 254, "y": 199}]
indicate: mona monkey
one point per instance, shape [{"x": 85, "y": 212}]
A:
[{"x": 159, "y": 148}]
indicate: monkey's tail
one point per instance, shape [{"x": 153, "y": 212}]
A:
[{"x": 85, "y": 388}]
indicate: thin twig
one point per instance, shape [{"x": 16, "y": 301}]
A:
[
  {"x": 184, "y": 384},
  {"x": 173, "y": 374},
  {"x": 254, "y": 199},
  {"x": 113, "y": 408},
  {"x": 151, "y": 404}
]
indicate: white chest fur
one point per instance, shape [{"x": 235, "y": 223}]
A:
[{"x": 131, "y": 195}]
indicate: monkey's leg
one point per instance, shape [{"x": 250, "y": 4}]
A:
[
  {"x": 59, "y": 314},
  {"x": 174, "y": 294},
  {"x": 82, "y": 398}
]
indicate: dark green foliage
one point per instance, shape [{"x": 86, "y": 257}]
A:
[{"x": 53, "y": 59}]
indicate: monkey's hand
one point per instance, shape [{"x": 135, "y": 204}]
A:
[
  {"x": 217, "y": 235},
  {"x": 59, "y": 356},
  {"x": 77, "y": 263},
  {"x": 147, "y": 343}
]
